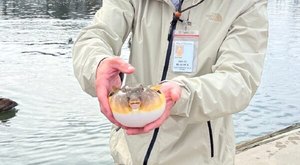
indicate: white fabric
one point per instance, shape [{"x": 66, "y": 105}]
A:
[{"x": 231, "y": 52}]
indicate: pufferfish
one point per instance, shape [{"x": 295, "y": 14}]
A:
[{"x": 137, "y": 106}]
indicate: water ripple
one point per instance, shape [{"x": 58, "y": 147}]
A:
[{"x": 58, "y": 124}]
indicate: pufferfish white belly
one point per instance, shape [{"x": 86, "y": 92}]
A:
[{"x": 137, "y": 106}]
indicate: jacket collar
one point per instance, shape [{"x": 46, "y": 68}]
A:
[
  {"x": 169, "y": 2},
  {"x": 166, "y": 1}
]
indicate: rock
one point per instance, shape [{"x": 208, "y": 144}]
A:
[
  {"x": 7, "y": 104},
  {"x": 70, "y": 41}
]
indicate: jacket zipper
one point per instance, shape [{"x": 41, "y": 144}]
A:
[{"x": 211, "y": 139}]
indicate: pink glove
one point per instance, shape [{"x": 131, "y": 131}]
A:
[
  {"x": 172, "y": 93},
  {"x": 108, "y": 77}
]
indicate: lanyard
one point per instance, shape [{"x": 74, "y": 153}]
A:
[
  {"x": 177, "y": 14},
  {"x": 170, "y": 39},
  {"x": 176, "y": 18}
]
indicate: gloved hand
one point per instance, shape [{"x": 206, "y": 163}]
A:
[
  {"x": 107, "y": 77},
  {"x": 172, "y": 92}
]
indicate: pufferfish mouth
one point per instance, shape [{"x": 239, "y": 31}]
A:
[{"x": 135, "y": 104}]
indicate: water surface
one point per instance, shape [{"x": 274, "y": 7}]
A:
[{"x": 58, "y": 123}]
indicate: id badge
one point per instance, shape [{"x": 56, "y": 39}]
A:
[{"x": 184, "y": 51}]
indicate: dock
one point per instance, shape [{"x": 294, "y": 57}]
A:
[{"x": 279, "y": 148}]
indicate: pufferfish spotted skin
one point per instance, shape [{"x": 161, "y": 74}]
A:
[{"x": 137, "y": 106}]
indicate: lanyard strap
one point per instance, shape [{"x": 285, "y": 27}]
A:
[
  {"x": 163, "y": 77},
  {"x": 176, "y": 18},
  {"x": 170, "y": 39},
  {"x": 177, "y": 14},
  {"x": 188, "y": 8}
]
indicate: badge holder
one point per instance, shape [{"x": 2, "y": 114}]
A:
[{"x": 184, "y": 51}]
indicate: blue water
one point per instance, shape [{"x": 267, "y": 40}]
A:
[{"x": 58, "y": 123}]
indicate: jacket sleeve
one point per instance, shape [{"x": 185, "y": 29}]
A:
[
  {"x": 103, "y": 38},
  {"x": 235, "y": 76}
]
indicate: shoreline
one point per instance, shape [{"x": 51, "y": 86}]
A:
[{"x": 280, "y": 147}]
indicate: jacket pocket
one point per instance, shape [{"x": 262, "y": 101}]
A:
[{"x": 211, "y": 139}]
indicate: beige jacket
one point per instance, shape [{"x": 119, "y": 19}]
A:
[{"x": 232, "y": 46}]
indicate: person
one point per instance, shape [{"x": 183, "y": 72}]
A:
[{"x": 207, "y": 54}]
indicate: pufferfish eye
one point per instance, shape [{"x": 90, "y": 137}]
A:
[{"x": 111, "y": 93}]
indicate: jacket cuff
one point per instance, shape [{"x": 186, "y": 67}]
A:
[
  {"x": 181, "y": 107},
  {"x": 89, "y": 74}
]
